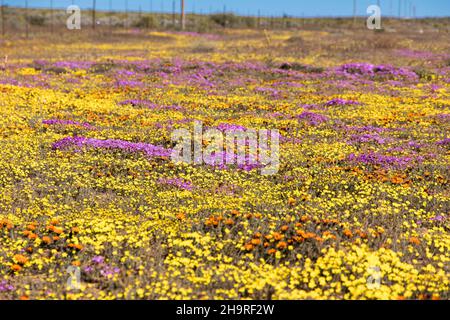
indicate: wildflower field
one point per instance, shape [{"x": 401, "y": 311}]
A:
[{"x": 358, "y": 209}]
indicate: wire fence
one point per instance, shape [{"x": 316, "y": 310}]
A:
[
  {"x": 31, "y": 16},
  {"x": 28, "y": 17}
]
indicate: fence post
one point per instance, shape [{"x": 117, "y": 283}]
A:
[
  {"x": 93, "y": 14},
  {"x": 3, "y": 19},
  {"x": 173, "y": 13},
  {"x": 110, "y": 16},
  {"x": 51, "y": 16},
  {"x": 26, "y": 19},
  {"x": 183, "y": 16}
]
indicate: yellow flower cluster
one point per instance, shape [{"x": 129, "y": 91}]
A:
[{"x": 358, "y": 210}]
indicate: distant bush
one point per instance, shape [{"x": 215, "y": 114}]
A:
[
  {"x": 102, "y": 67},
  {"x": 145, "y": 22},
  {"x": 36, "y": 20},
  {"x": 203, "y": 47},
  {"x": 295, "y": 40},
  {"x": 301, "y": 67},
  {"x": 249, "y": 22},
  {"x": 384, "y": 42},
  {"x": 224, "y": 19},
  {"x": 424, "y": 74}
]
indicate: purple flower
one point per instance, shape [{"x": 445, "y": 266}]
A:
[
  {"x": 367, "y": 69},
  {"x": 98, "y": 259},
  {"x": 109, "y": 271},
  {"x": 88, "y": 269},
  {"x": 139, "y": 103},
  {"x": 414, "y": 144},
  {"x": 367, "y": 138},
  {"x": 313, "y": 118},
  {"x": 230, "y": 127},
  {"x": 341, "y": 102},
  {"x": 129, "y": 83},
  {"x": 444, "y": 142},
  {"x": 443, "y": 116},
  {"x": 180, "y": 183},
  {"x": 379, "y": 159},
  {"x": 273, "y": 92},
  {"x": 73, "y": 64},
  {"x": 127, "y": 73},
  {"x": 78, "y": 142},
  {"x": 67, "y": 122},
  {"x": 5, "y": 286},
  {"x": 148, "y": 104}
]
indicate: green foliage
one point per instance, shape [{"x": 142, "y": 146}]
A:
[
  {"x": 36, "y": 20},
  {"x": 224, "y": 19},
  {"x": 145, "y": 22}
]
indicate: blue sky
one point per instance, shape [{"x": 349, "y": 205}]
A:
[{"x": 308, "y": 8}]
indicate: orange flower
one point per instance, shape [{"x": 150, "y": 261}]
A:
[
  {"x": 292, "y": 201},
  {"x": 75, "y": 230},
  {"x": 248, "y": 247},
  {"x": 76, "y": 263},
  {"x": 257, "y": 235},
  {"x": 348, "y": 233},
  {"x": 6, "y": 223},
  {"x": 56, "y": 238},
  {"x": 47, "y": 239},
  {"x": 284, "y": 228},
  {"x": 397, "y": 180},
  {"x": 57, "y": 230},
  {"x": 32, "y": 236},
  {"x": 229, "y": 222},
  {"x": 414, "y": 240},
  {"x": 180, "y": 216},
  {"x": 29, "y": 249},
  {"x": 309, "y": 235},
  {"x": 234, "y": 212},
  {"x": 24, "y": 297},
  {"x": 271, "y": 251},
  {"x": 256, "y": 242},
  {"x": 16, "y": 268},
  {"x": 304, "y": 219},
  {"x": 31, "y": 227},
  {"x": 319, "y": 239},
  {"x": 277, "y": 236},
  {"x": 328, "y": 234},
  {"x": 266, "y": 244},
  {"x": 20, "y": 259},
  {"x": 209, "y": 221},
  {"x": 301, "y": 233},
  {"x": 362, "y": 234},
  {"x": 75, "y": 246},
  {"x": 282, "y": 245},
  {"x": 258, "y": 215},
  {"x": 249, "y": 216}
]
